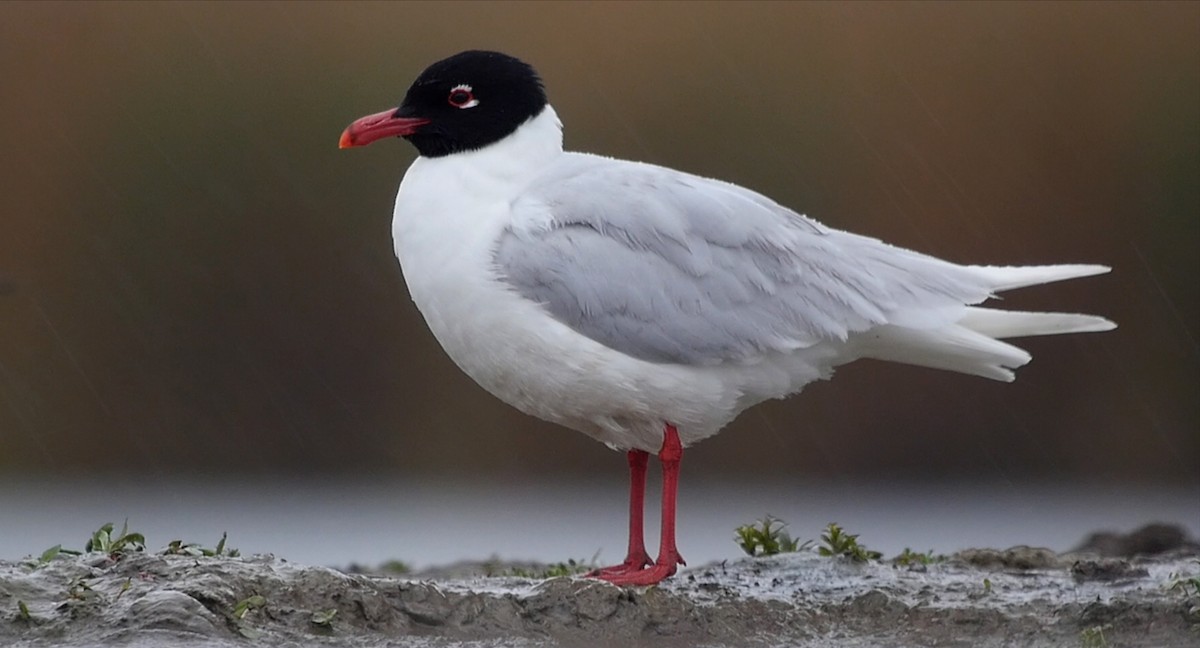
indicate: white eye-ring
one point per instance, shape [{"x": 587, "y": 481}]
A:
[{"x": 461, "y": 96}]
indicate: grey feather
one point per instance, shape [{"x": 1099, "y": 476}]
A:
[{"x": 674, "y": 268}]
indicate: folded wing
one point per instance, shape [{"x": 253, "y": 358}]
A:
[{"x": 673, "y": 268}]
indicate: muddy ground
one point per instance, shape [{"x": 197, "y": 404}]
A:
[{"x": 1017, "y": 597}]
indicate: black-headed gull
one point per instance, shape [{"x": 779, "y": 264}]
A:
[{"x": 648, "y": 307}]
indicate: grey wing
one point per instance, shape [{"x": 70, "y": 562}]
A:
[{"x": 674, "y": 268}]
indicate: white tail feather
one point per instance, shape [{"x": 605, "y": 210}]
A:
[
  {"x": 1007, "y": 324},
  {"x": 972, "y": 344},
  {"x": 953, "y": 348},
  {"x": 1008, "y": 277}
]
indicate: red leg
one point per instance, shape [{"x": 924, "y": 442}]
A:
[
  {"x": 636, "y": 558},
  {"x": 668, "y": 554}
]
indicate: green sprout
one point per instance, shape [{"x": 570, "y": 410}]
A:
[
  {"x": 49, "y": 555},
  {"x": 23, "y": 611},
  {"x": 79, "y": 590},
  {"x": 1181, "y": 582},
  {"x": 124, "y": 588},
  {"x": 323, "y": 618},
  {"x": 240, "y": 610},
  {"x": 104, "y": 541},
  {"x": 398, "y": 567},
  {"x": 839, "y": 543},
  {"x": 767, "y": 538},
  {"x": 178, "y": 547},
  {"x": 571, "y": 567},
  {"x": 909, "y": 557},
  {"x": 1189, "y": 586},
  {"x": 247, "y": 604}
]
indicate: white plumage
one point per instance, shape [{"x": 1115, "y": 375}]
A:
[{"x": 610, "y": 296}]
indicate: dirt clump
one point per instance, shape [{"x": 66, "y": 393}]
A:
[{"x": 1020, "y": 596}]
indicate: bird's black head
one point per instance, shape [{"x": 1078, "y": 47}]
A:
[{"x": 461, "y": 103}]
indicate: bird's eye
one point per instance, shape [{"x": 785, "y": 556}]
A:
[{"x": 461, "y": 96}]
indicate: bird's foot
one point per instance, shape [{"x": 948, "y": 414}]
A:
[
  {"x": 633, "y": 563},
  {"x": 652, "y": 575}
]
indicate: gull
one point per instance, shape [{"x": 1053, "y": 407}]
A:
[{"x": 647, "y": 307}]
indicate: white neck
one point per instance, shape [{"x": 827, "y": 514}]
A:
[
  {"x": 506, "y": 165},
  {"x": 448, "y": 206}
]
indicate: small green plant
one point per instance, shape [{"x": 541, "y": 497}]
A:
[
  {"x": 104, "y": 541},
  {"x": 79, "y": 590},
  {"x": 1182, "y": 582},
  {"x": 178, "y": 547},
  {"x": 323, "y": 618},
  {"x": 839, "y": 543},
  {"x": 1189, "y": 586},
  {"x": 247, "y": 604},
  {"x": 571, "y": 567},
  {"x": 124, "y": 588},
  {"x": 23, "y": 611},
  {"x": 54, "y": 552},
  {"x": 398, "y": 567},
  {"x": 987, "y": 586},
  {"x": 909, "y": 557},
  {"x": 48, "y": 555},
  {"x": 767, "y": 538},
  {"x": 240, "y": 610},
  {"x": 1093, "y": 637}
]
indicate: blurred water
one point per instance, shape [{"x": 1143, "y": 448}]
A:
[{"x": 427, "y": 522}]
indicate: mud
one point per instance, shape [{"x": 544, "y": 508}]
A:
[{"x": 1022, "y": 596}]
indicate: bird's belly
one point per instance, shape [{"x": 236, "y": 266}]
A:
[
  {"x": 524, "y": 357},
  {"x": 512, "y": 348}
]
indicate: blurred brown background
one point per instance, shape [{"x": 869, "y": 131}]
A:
[{"x": 194, "y": 279}]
